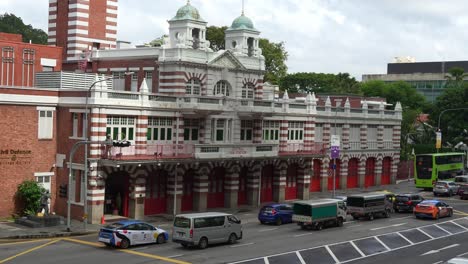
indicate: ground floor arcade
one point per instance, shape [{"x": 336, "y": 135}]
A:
[{"x": 139, "y": 189}]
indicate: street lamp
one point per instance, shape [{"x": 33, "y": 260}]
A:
[
  {"x": 337, "y": 103},
  {"x": 408, "y": 155}
]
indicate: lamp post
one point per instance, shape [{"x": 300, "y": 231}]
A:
[
  {"x": 408, "y": 155},
  {"x": 337, "y": 147}
]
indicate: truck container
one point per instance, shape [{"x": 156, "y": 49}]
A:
[
  {"x": 319, "y": 213},
  {"x": 369, "y": 205}
]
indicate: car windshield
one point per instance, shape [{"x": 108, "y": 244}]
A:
[
  {"x": 114, "y": 226},
  {"x": 402, "y": 198},
  {"x": 182, "y": 222}
]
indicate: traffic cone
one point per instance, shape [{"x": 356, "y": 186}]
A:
[{"x": 103, "y": 220}]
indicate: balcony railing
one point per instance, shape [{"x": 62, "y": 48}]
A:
[
  {"x": 149, "y": 151},
  {"x": 242, "y": 150},
  {"x": 302, "y": 148}
]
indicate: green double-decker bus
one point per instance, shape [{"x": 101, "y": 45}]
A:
[{"x": 429, "y": 168}]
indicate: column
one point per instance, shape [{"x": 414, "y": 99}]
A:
[
  {"x": 231, "y": 188},
  {"x": 378, "y": 171},
  {"x": 175, "y": 193},
  {"x": 95, "y": 193},
  {"x": 324, "y": 174},
  {"x": 200, "y": 190},
  {"x": 283, "y": 142},
  {"x": 363, "y": 136},
  {"x": 380, "y": 139},
  {"x": 394, "y": 168},
  {"x": 179, "y": 136},
  {"x": 253, "y": 180},
  {"x": 136, "y": 205},
  {"x": 344, "y": 173},
  {"x": 304, "y": 174},
  {"x": 279, "y": 184},
  {"x": 257, "y": 131},
  {"x": 362, "y": 172},
  {"x": 140, "y": 137},
  {"x": 309, "y": 136}
]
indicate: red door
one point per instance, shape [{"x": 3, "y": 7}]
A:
[
  {"x": 337, "y": 175},
  {"x": 216, "y": 188},
  {"x": 187, "y": 195},
  {"x": 370, "y": 173},
  {"x": 291, "y": 183},
  {"x": 352, "y": 180},
  {"x": 242, "y": 194},
  {"x": 386, "y": 169},
  {"x": 315, "y": 179},
  {"x": 155, "y": 202},
  {"x": 266, "y": 194}
]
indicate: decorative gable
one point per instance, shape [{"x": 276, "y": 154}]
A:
[{"x": 226, "y": 60}]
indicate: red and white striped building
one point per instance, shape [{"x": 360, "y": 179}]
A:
[{"x": 206, "y": 132}]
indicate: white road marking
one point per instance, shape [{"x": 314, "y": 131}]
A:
[
  {"x": 458, "y": 225},
  {"x": 175, "y": 256},
  {"x": 357, "y": 249},
  {"x": 300, "y": 257},
  {"x": 349, "y": 222},
  {"x": 352, "y": 226},
  {"x": 383, "y": 244},
  {"x": 422, "y": 231},
  {"x": 269, "y": 229},
  {"x": 438, "y": 262},
  {"x": 463, "y": 254},
  {"x": 398, "y": 218},
  {"x": 440, "y": 249},
  {"x": 304, "y": 234},
  {"x": 332, "y": 255},
  {"x": 241, "y": 245},
  {"x": 409, "y": 241},
  {"x": 443, "y": 229},
  {"x": 382, "y": 227},
  {"x": 266, "y": 260}
]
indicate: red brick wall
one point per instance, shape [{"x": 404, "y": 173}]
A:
[
  {"x": 11, "y": 37},
  {"x": 19, "y": 132}
]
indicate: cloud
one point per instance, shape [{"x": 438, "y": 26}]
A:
[{"x": 333, "y": 36}]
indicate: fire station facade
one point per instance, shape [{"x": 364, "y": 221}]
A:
[{"x": 206, "y": 132}]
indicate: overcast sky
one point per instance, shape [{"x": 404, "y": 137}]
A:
[{"x": 331, "y": 36}]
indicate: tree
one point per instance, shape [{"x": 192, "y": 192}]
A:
[
  {"x": 158, "y": 42},
  {"x": 216, "y": 37},
  {"x": 340, "y": 83},
  {"x": 9, "y": 23},
  {"x": 455, "y": 77},
  {"x": 30, "y": 193},
  {"x": 275, "y": 53}
]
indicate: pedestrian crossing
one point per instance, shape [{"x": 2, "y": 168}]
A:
[{"x": 348, "y": 251}]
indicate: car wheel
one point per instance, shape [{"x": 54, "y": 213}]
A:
[
  {"x": 371, "y": 217},
  {"x": 355, "y": 217},
  {"x": 450, "y": 213},
  {"x": 232, "y": 238},
  {"x": 387, "y": 213},
  {"x": 203, "y": 243},
  {"x": 279, "y": 221},
  {"x": 125, "y": 243},
  {"x": 185, "y": 245},
  {"x": 339, "y": 222},
  {"x": 262, "y": 222},
  {"x": 437, "y": 216},
  {"x": 161, "y": 239},
  {"x": 319, "y": 226}
]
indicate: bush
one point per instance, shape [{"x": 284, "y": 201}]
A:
[{"x": 30, "y": 192}]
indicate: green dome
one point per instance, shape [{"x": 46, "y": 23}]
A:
[
  {"x": 242, "y": 22},
  {"x": 187, "y": 12}
]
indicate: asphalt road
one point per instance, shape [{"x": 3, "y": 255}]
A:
[{"x": 383, "y": 240}]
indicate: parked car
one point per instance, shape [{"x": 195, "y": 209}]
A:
[
  {"x": 432, "y": 209},
  {"x": 199, "y": 229},
  {"x": 276, "y": 213},
  {"x": 457, "y": 260},
  {"x": 461, "y": 180},
  {"x": 463, "y": 192},
  {"x": 319, "y": 213},
  {"x": 406, "y": 202},
  {"x": 448, "y": 188},
  {"x": 130, "y": 232}
]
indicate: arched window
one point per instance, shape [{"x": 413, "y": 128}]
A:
[
  {"x": 193, "y": 86},
  {"x": 248, "y": 90},
  {"x": 222, "y": 88}
]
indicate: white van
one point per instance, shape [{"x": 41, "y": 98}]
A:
[{"x": 199, "y": 229}]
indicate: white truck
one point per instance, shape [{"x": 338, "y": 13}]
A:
[
  {"x": 316, "y": 214},
  {"x": 369, "y": 205}
]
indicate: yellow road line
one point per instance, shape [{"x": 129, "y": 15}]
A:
[
  {"x": 29, "y": 250},
  {"x": 460, "y": 212},
  {"x": 95, "y": 244},
  {"x": 23, "y": 242}
]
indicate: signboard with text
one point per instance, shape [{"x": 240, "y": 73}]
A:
[{"x": 335, "y": 147}]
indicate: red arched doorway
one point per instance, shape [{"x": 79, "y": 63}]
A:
[
  {"x": 370, "y": 173},
  {"x": 242, "y": 194},
  {"x": 337, "y": 175},
  {"x": 386, "y": 170},
  {"x": 353, "y": 175},
  {"x": 117, "y": 193},
  {"x": 291, "y": 183},
  {"x": 266, "y": 189},
  {"x": 315, "y": 179},
  {"x": 187, "y": 191},
  {"x": 155, "y": 201},
  {"x": 216, "y": 188}
]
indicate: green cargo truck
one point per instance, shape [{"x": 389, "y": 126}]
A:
[
  {"x": 316, "y": 214},
  {"x": 369, "y": 205}
]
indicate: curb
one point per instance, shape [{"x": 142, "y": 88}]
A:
[{"x": 49, "y": 235}]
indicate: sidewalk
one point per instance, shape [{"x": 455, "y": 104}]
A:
[{"x": 10, "y": 230}]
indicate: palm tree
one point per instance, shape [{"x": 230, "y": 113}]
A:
[{"x": 455, "y": 77}]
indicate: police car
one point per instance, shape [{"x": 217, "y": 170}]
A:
[{"x": 130, "y": 232}]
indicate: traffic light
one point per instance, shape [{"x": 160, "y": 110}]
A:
[
  {"x": 121, "y": 144},
  {"x": 63, "y": 190}
]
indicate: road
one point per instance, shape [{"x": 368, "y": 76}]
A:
[{"x": 383, "y": 240}]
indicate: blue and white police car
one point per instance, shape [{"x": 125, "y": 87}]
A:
[{"x": 131, "y": 232}]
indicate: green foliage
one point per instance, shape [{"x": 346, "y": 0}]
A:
[
  {"x": 30, "y": 193},
  {"x": 395, "y": 92},
  {"x": 216, "y": 37},
  {"x": 275, "y": 60},
  {"x": 158, "y": 42},
  {"x": 341, "y": 83},
  {"x": 9, "y": 23},
  {"x": 455, "y": 77}
]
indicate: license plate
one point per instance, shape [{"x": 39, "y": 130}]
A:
[
  {"x": 105, "y": 240},
  {"x": 181, "y": 234}
]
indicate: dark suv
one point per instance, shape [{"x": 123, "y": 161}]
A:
[{"x": 406, "y": 202}]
